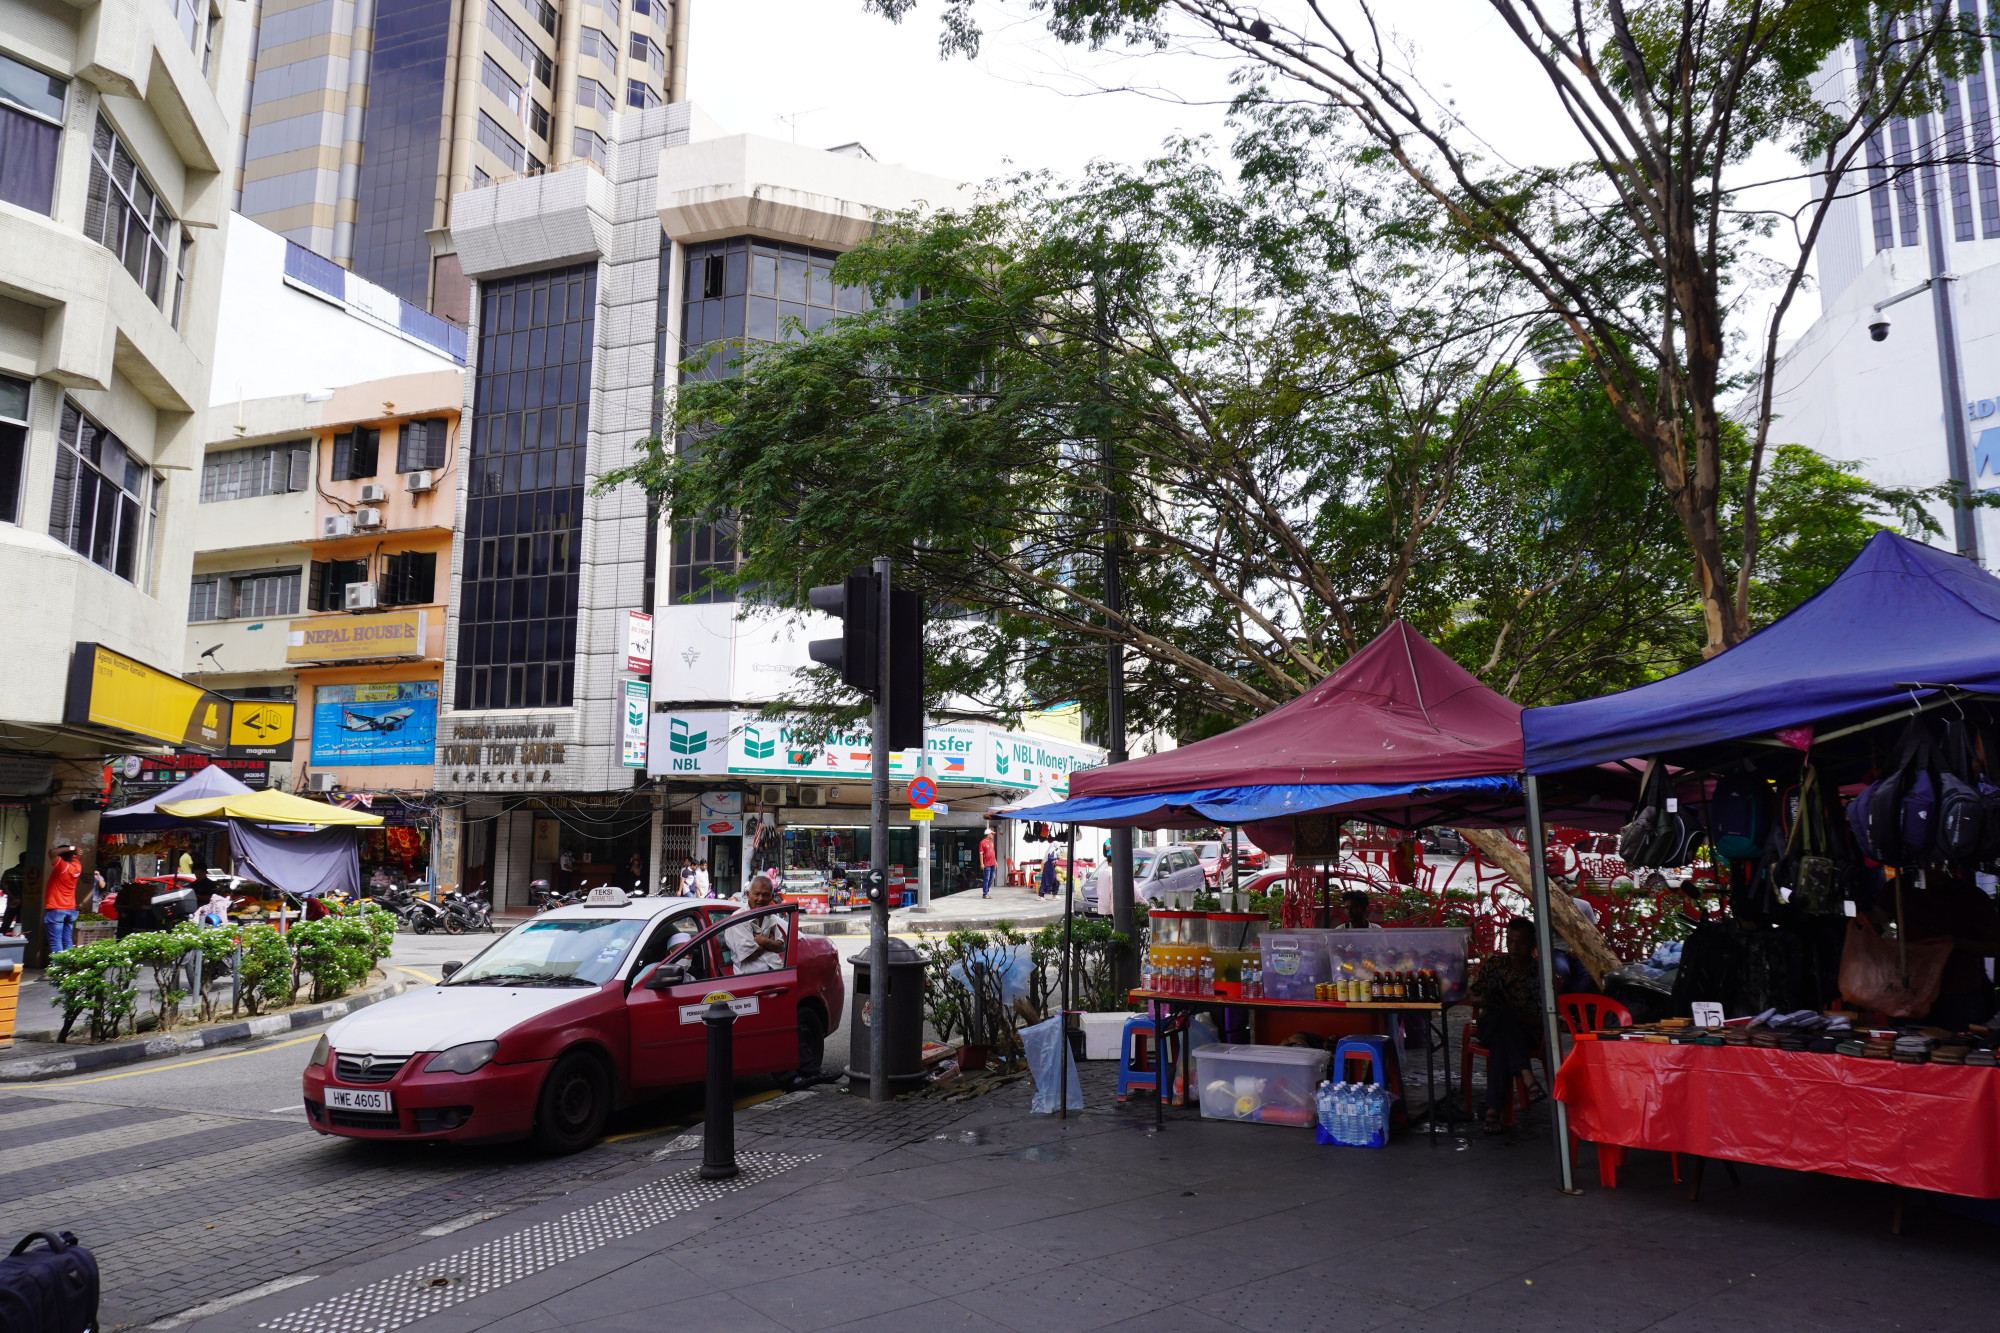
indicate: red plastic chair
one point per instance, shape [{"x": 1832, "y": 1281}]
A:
[
  {"x": 1588, "y": 1013},
  {"x": 1469, "y": 1047}
]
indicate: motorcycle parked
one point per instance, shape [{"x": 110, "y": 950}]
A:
[{"x": 463, "y": 912}]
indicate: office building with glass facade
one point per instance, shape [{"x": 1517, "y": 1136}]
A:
[
  {"x": 591, "y": 288},
  {"x": 114, "y": 142},
  {"x": 363, "y": 118}
]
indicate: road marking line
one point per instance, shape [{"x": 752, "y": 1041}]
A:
[
  {"x": 295, "y": 1106},
  {"x": 461, "y": 1223},
  {"x": 185, "y": 1064},
  {"x": 222, "y": 1303},
  {"x": 413, "y": 972}
]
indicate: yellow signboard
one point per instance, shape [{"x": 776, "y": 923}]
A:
[
  {"x": 356, "y": 638},
  {"x": 109, "y": 689},
  {"x": 261, "y": 730},
  {"x": 920, "y": 813}
]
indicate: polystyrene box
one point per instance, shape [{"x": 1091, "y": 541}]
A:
[
  {"x": 1294, "y": 963},
  {"x": 1269, "y": 1085},
  {"x": 1355, "y": 955}
]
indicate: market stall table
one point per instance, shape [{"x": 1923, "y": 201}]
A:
[
  {"x": 1171, "y": 1012},
  {"x": 1922, "y": 1126}
]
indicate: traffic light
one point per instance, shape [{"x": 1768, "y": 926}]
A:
[{"x": 855, "y": 600}]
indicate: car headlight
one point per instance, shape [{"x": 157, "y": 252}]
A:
[
  {"x": 462, "y": 1059},
  {"x": 321, "y": 1053}
]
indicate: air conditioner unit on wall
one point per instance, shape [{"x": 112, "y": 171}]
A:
[
  {"x": 367, "y": 518},
  {"x": 373, "y": 493},
  {"x": 420, "y": 481},
  {"x": 337, "y": 525},
  {"x": 812, "y": 796},
  {"x": 772, "y": 795},
  {"x": 322, "y": 781},
  {"x": 361, "y": 597}
]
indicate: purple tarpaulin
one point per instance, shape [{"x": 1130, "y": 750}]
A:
[{"x": 303, "y": 863}]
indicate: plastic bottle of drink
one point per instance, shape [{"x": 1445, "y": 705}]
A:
[
  {"x": 1339, "y": 1129},
  {"x": 1350, "y": 1120}
]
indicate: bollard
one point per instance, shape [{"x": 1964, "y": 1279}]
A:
[{"x": 718, "y": 1131}]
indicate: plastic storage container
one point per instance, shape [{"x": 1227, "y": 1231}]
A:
[
  {"x": 1295, "y": 961},
  {"x": 1357, "y": 955},
  {"x": 1269, "y": 1085}
]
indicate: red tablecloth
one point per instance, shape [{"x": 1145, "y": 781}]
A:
[{"x": 1933, "y": 1127}]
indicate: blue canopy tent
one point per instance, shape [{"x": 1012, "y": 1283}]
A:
[{"x": 143, "y": 816}]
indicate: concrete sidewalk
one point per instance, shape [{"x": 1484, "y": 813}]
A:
[
  {"x": 978, "y": 1216},
  {"x": 1019, "y": 907}
]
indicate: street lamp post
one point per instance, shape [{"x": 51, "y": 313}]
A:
[{"x": 1958, "y": 452}]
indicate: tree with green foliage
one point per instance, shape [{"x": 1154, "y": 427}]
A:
[
  {"x": 1301, "y": 413},
  {"x": 1639, "y": 250}
]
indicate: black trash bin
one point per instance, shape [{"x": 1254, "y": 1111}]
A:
[{"x": 903, "y": 1012}]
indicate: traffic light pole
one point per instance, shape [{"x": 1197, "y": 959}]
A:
[{"x": 878, "y": 858}]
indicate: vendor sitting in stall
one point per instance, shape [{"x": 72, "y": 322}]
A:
[
  {"x": 1355, "y": 903},
  {"x": 1508, "y": 991}
]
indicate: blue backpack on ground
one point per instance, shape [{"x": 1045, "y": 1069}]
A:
[{"x": 50, "y": 1289}]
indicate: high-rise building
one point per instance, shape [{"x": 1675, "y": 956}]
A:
[
  {"x": 362, "y": 119},
  {"x": 114, "y": 149}
]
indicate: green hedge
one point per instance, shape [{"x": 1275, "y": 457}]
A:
[{"x": 325, "y": 957}]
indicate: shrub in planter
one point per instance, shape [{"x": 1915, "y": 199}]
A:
[
  {"x": 337, "y": 951},
  {"x": 1093, "y": 984},
  {"x": 98, "y": 980},
  {"x": 965, "y": 977},
  {"x": 166, "y": 954},
  {"x": 266, "y": 977}
]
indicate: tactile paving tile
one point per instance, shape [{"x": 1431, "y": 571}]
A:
[{"x": 408, "y": 1297}]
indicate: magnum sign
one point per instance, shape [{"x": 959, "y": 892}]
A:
[
  {"x": 108, "y": 689},
  {"x": 356, "y": 638}
]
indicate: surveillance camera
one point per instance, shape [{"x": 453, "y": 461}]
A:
[{"x": 1879, "y": 330}]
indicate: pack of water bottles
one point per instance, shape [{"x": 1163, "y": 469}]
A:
[{"x": 1353, "y": 1115}]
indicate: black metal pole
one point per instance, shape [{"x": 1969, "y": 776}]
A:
[
  {"x": 1545, "y": 945},
  {"x": 1125, "y": 959},
  {"x": 718, "y": 1130},
  {"x": 1062, "y": 1015},
  {"x": 878, "y": 856}
]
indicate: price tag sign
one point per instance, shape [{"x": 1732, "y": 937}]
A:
[{"x": 1707, "y": 1014}]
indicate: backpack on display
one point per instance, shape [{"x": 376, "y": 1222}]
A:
[
  {"x": 1739, "y": 817},
  {"x": 1961, "y": 808},
  {"x": 48, "y": 1289},
  {"x": 1876, "y": 813},
  {"x": 1809, "y": 867},
  {"x": 1653, "y": 834}
]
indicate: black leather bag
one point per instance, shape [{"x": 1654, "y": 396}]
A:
[{"x": 48, "y": 1289}]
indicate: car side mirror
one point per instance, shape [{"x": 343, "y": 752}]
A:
[
  {"x": 449, "y": 968},
  {"x": 668, "y": 975}
]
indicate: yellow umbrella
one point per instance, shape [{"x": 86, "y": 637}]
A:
[{"x": 268, "y": 807}]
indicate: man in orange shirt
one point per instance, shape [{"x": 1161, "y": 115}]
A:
[{"x": 59, "y": 900}]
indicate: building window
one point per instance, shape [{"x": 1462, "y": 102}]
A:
[
  {"x": 124, "y": 213},
  {"x": 640, "y": 94},
  {"x": 701, "y": 553},
  {"x": 409, "y": 578},
  {"x": 510, "y": 35},
  {"x": 502, "y": 85},
  {"x": 610, "y": 7},
  {"x": 31, "y": 119},
  {"x": 262, "y": 469},
  {"x": 326, "y": 585},
  {"x": 595, "y": 45},
  {"x": 538, "y": 120},
  {"x": 545, "y": 70},
  {"x": 248, "y": 595},
  {"x": 104, "y": 496},
  {"x": 593, "y": 95},
  {"x": 590, "y": 144},
  {"x": 420, "y": 445},
  {"x": 546, "y": 14},
  {"x": 189, "y": 17},
  {"x": 747, "y": 288},
  {"x": 504, "y": 145},
  {"x": 354, "y": 454},
  {"x": 13, "y": 445},
  {"x": 646, "y": 49},
  {"x": 181, "y": 274},
  {"x": 518, "y": 583},
  {"x": 642, "y": 6}
]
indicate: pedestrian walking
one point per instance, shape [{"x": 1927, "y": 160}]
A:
[
  {"x": 59, "y": 899},
  {"x": 1048, "y": 885},
  {"x": 988, "y": 860}
]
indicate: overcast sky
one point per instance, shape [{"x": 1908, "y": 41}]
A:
[{"x": 826, "y": 73}]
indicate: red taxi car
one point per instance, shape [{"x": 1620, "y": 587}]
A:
[{"x": 568, "y": 1016}]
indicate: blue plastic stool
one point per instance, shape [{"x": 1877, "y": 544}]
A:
[
  {"x": 1139, "y": 1032},
  {"x": 1371, "y": 1046}
]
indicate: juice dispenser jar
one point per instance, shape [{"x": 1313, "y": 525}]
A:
[
  {"x": 1169, "y": 951},
  {"x": 1235, "y": 939}
]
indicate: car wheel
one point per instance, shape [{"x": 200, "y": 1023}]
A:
[
  {"x": 812, "y": 1041},
  {"x": 575, "y": 1101}
]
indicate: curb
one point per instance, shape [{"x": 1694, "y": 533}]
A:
[{"x": 87, "y": 1059}]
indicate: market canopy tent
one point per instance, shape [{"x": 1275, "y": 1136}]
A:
[
  {"x": 141, "y": 816},
  {"x": 271, "y": 807},
  {"x": 1902, "y": 619},
  {"x": 1399, "y": 734}
]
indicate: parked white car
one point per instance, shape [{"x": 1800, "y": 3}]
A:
[{"x": 1155, "y": 871}]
